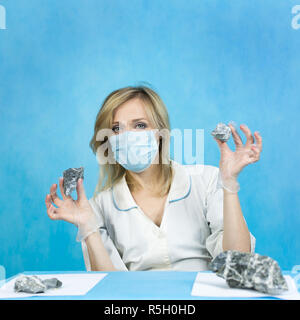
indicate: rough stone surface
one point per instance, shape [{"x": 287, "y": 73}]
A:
[
  {"x": 52, "y": 283},
  {"x": 222, "y": 132},
  {"x": 250, "y": 271},
  {"x": 33, "y": 284},
  {"x": 71, "y": 177},
  {"x": 29, "y": 284}
]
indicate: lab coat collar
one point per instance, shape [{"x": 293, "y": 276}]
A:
[{"x": 180, "y": 189}]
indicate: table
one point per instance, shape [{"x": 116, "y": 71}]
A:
[{"x": 137, "y": 285}]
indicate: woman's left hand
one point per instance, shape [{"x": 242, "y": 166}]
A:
[{"x": 232, "y": 162}]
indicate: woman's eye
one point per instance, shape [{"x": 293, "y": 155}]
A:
[
  {"x": 141, "y": 125},
  {"x": 115, "y": 129}
]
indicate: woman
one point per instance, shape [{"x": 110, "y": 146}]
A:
[{"x": 154, "y": 213}]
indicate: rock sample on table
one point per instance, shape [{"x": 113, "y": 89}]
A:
[
  {"x": 249, "y": 271},
  {"x": 222, "y": 132},
  {"x": 52, "y": 283},
  {"x": 33, "y": 284},
  {"x": 71, "y": 177}
]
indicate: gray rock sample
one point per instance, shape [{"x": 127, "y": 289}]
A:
[
  {"x": 250, "y": 271},
  {"x": 33, "y": 284},
  {"x": 222, "y": 132},
  {"x": 29, "y": 284},
  {"x": 52, "y": 283},
  {"x": 71, "y": 177}
]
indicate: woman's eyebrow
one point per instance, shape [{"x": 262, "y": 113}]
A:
[{"x": 133, "y": 120}]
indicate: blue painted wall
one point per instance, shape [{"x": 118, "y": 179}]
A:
[{"x": 209, "y": 60}]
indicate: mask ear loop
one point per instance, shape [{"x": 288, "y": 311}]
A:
[
  {"x": 164, "y": 138},
  {"x": 159, "y": 150}
]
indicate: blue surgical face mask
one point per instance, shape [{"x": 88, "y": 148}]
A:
[{"x": 134, "y": 150}]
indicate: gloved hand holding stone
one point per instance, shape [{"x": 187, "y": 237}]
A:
[
  {"x": 79, "y": 212},
  {"x": 232, "y": 162}
]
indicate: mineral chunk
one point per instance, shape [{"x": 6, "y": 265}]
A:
[
  {"x": 52, "y": 283},
  {"x": 222, "y": 132},
  {"x": 250, "y": 271},
  {"x": 33, "y": 284},
  {"x": 71, "y": 177},
  {"x": 30, "y": 284}
]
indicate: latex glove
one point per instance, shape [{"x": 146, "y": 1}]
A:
[
  {"x": 232, "y": 162},
  {"x": 230, "y": 184},
  {"x": 78, "y": 212}
]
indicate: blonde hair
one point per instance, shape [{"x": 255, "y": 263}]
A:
[{"x": 109, "y": 174}]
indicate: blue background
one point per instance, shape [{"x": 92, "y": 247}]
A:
[{"x": 210, "y": 61}]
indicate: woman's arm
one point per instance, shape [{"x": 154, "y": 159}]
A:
[
  {"x": 236, "y": 235},
  {"x": 99, "y": 258},
  {"x": 80, "y": 213}
]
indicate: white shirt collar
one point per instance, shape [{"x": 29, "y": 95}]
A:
[{"x": 180, "y": 189}]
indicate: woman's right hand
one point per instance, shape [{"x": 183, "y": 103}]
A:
[{"x": 78, "y": 212}]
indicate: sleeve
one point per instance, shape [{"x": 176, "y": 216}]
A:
[
  {"x": 214, "y": 216},
  {"x": 107, "y": 241}
]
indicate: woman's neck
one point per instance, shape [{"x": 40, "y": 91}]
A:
[{"x": 146, "y": 179}]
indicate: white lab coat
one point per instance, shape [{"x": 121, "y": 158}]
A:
[{"x": 189, "y": 236}]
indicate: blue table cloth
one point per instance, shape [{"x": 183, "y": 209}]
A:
[{"x": 137, "y": 285}]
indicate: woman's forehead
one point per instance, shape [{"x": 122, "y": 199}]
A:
[{"x": 129, "y": 111}]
